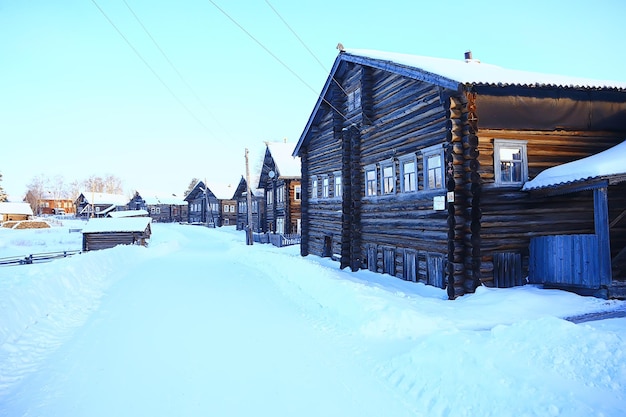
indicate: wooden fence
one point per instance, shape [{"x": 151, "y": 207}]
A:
[{"x": 568, "y": 260}]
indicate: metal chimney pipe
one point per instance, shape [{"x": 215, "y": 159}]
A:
[{"x": 468, "y": 54}]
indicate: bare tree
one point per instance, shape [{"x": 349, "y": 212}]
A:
[
  {"x": 191, "y": 186},
  {"x": 36, "y": 188},
  {"x": 113, "y": 184}
]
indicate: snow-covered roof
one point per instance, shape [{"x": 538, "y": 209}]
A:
[
  {"x": 123, "y": 224},
  {"x": 128, "y": 213},
  {"x": 223, "y": 191},
  {"x": 611, "y": 162},
  {"x": 105, "y": 198},
  {"x": 172, "y": 200},
  {"x": 16, "y": 208},
  {"x": 472, "y": 71},
  {"x": 288, "y": 166}
]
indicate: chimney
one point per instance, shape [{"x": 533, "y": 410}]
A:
[{"x": 468, "y": 55}]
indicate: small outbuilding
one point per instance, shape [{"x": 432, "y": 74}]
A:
[
  {"x": 104, "y": 233},
  {"x": 15, "y": 211}
]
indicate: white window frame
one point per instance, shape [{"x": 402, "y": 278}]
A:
[
  {"x": 433, "y": 152},
  {"x": 498, "y": 145},
  {"x": 388, "y": 182},
  {"x": 325, "y": 186},
  {"x": 403, "y": 161},
  {"x": 337, "y": 184},
  {"x": 269, "y": 199},
  {"x": 297, "y": 193},
  {"x": 371, "y": 184},
  {"x": 314, "y": 188}
]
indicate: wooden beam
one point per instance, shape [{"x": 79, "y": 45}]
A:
[
  {"x": 601, "y": 224},
  {"x": 617, "y": 219}
]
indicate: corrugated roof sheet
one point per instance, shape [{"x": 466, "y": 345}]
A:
[
  {"x": 479, "y": 73},
  {"x": 611, "y": 162}
]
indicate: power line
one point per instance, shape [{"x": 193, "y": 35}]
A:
[
  {"x": 276, "y": 58},
  {"x": 305, "y": 45},
  {"x": 150, "y": 67},
  {"x": 169, "y": 61}
]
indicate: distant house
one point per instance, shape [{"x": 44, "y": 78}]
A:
[
  {"x": 104, "y": 233},
  {"x": 426, "y": 159},
  {"x": 49, "y": 203},
  {"x": 280, "y": 181},
  {"x": 99, "y": 204},
  {"x": 227, "y": 204},
  {"x": 15, "y": 211},
  {"x": 258, "y": 207},
  {"x": 203, "y": 206},
  {"x": 161, "y": 209}
]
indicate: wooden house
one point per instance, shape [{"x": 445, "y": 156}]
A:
[
  {"x": 414, "y": 166},
  {"x": 258, "y": 207},
  {"x": 280, "y": 181},
  {"x": 203, "y": 206},
  {"x": 50, "y": 203},
  {"x": 104, "y": 233},
  {"x": 90, "y": 204},
  {"x": 161, "y": 209},
  {"x": 15, "y": 211},
  {"x": 227, "y": 204}
]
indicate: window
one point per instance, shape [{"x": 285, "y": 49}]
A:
[
  {"x": 408, "y": 174},
  {"x": 325, "y": 187},
  {"x": 510, "y": 162},
  {"x": 226, "y": 209},
  {"x": 389, "y": 178},
  {"x": 370, "y": 181},
  {"x": 433, "y": 167},
  {"x": 280, "y": 225},
  {"x": 280, "y": 194},
  {"x": 270, "y": 197},
  {"x": 338, "y": 189},
  {"x": 354, "y": 100},
  {"x": 314, "y": 188},
  {"x": 158, "y": 210},
  {"x": 297, "y": 193},
  {"x": 232, "y": 208}
]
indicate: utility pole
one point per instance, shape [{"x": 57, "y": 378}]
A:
[{"x": 249, "y": 239}]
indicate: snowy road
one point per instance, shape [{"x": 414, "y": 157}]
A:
[
  {"x": 178, "y": 335},
  {"x": 200, "y": 324}
]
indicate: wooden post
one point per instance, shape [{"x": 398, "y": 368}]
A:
[
  {"x": 249, "y": 240},
  {"x": 601, "y": 224}
]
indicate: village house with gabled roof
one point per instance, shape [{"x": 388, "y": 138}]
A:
[
  {"x": 227, "y": 203},
  {"x": 203, "y": 206},
  {"x": 280, "y": 181},
  {"x": 257, "y": 200},
  {"x": 90, "y": 204},
  {"x": 431, "y": 157},
  {"x": 164, "y": 209}
]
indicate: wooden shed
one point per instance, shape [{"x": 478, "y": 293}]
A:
[
  {"x": 104, "y": 233},
  {"x": 15, "y": 211},
  {"x": 428, "y": 158}
]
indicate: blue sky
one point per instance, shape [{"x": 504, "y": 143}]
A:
[{"x": 76, "y": 100}]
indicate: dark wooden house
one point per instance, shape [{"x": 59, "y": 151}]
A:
[
  {"x": 104, "y": 233},
  {"x": 161, "y": 209},
  {"x": 203, "y": 206},
  {"x": 414, "y": 166},
  {"x": 280, "y": 181},
  {"x": 258, "y": 207},
  {"x": 90, "y": 204}
]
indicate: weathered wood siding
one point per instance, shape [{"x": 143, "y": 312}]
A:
[
  {"x": 398, "y": 117},
  {"x": 511, "y": 217},
  {"x": 98, "y": 241}
]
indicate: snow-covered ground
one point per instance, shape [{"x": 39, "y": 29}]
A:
[{"x": 200, "y": 324}]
